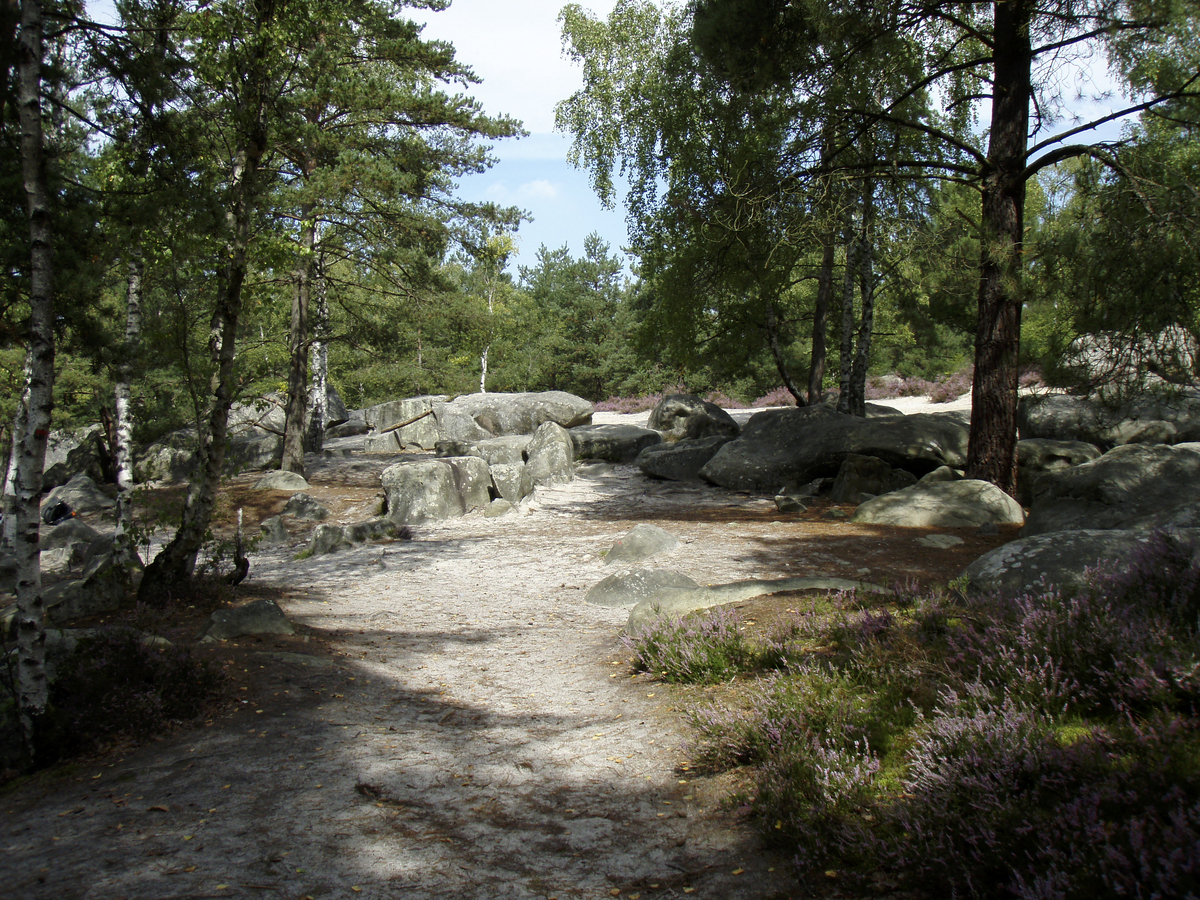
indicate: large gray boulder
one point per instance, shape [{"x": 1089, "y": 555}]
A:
[
  {"x": 81, "y": 494},
  {"x": 680, "y": 416},
  {"x": 612, "y": 443},
  {"x": 796, "y": 446},
  {"x": 680, "y": 460},
  {"x": 643, "y": 541},
  {"x": 509, "y": 450},
  {"x": 948, "y": 504},
  {"x": 432, "y": 490},
  {"x": 519, "y": 413},
  {"x": 859, "y": 475},
  {"x": 422, "y": 432},
  {"x": 1164, "y": 416},
  {"x": 173, "y": 456},
  {"x": 1125, "y": 483},
  {"x": 1036, "y": 456},
  {"x": 1060, "y": 560},
  {"x": 550, "y": 456},
  {"x": 69, "y": 453}
]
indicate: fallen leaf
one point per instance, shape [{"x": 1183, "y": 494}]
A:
[
  {"x": 356, "y": 888},
  {"x": 190, "y": 869},
  {"x": 738, "y": 871},
  {"x": 158, "y": 808}
]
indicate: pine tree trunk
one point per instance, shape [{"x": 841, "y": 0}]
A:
[
  {"x": 297, "y": 404},
  {"x": 992, "y": 452},
  {"x": 123, "y": 550},
  {"x": 862, "y": 350},
  {"x": 846, "y": 360},
  {"x": 777, "y": 353},
  {"x": 816, "y": 372},
  {"x": 39, "y": 391}
]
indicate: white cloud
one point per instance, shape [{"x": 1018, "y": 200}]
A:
[{"x": 542, "y": 189}]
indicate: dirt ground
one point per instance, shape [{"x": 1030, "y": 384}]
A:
[{"x": 450, "y": 719}]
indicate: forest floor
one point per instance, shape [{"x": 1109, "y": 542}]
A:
[{"x": 450, "y": 719}]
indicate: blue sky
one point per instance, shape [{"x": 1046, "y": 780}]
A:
[{"x": 516, "y": 48}]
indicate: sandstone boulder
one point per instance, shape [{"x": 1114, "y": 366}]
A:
[
  {"x": 680, "y": 460},
  {"x": 262, "y": 616},
  {"x": 680, "y": 416},
  {"x": 612, "y": 443},
  {"x": 1151, "y": 417},
  {"x": 280, "y": 480},
  {"x": 1059, "y": 560},
  {"x": 550, "y": 456},
  {"x": 303, "y": 506},
  {"x": 520, "y": 413},
  {"x": 949, "y": 504},
  {"x": 783, "y": 446},
  {"x": 635, "y": 586},
  {"x": 867, "y": 475},
  {"x": 643, "y": 541},
  {"x": 1127, "y": 482},
  {"x": 81, "y": 494},
  {"x": 432, "y": 490}
]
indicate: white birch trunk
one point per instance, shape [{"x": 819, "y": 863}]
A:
[
  {"x": 123, "y": 550},
  {"x": 39, "y": 391},
  {"x": 318, "y": 414}
]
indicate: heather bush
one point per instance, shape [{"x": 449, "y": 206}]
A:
[
  {"x": 692, "y": 649},
  {"x": 118, "y": 682},
  {"x": 781, "y": 396},
  {"x": 1043, "y": 746}
]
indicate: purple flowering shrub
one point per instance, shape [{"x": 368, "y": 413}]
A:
[
  {"x": 1044, "y": 746},
  {"x": 692, "y": 649},
  {"x": 118, "y": 683}
]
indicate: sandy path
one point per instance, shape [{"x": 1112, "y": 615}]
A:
[{"x": 472, "y": 732}]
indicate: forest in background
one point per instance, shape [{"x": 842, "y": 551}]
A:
[{"x": 210, "y": 201}]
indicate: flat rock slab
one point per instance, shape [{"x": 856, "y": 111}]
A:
[
  {"x": 636, "y": 586},
  {"x": 677, "y": 602}
]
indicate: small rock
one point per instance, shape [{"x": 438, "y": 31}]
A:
[
  {"x": 281, "y": 481},
  {"x": 261, "y": 616}
]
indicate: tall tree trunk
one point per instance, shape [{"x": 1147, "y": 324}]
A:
[
  {"x": 781, "y": 367},
  {"x": 816, "y": 372},
  {"x": 318, "y": 409},
  {"x": 39, "y": 388},
  {"x": 862, "y": 350},
  {"x": 846, "y": 361},
  {"x": 123, "y": 550},
  {"x": 176, "y": 561},
  {"x": 992, "y": 452},
  {"x": 295, "y": 421}
]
